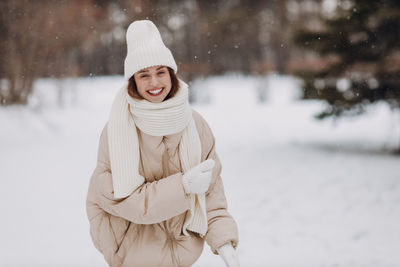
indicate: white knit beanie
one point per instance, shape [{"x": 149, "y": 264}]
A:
[{"x": 145, "y": 48}]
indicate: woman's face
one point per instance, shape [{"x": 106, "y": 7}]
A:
[{"x": 153, "y": 83}]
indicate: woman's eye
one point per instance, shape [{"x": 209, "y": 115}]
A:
[
  {"x": 144, "y": 76},
  {"x": 161, "y": 72}
]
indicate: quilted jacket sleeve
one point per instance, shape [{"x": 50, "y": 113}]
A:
[
  {"x": 222, "y": 227},
  {"x": 110, "y": 218}
]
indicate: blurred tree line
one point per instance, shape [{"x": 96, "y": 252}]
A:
[
  {"x": 323, "y": 44},
  {"x": 60, "y": 38}
]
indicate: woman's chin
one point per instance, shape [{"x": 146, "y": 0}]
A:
[{"x": 155, "y": 99}]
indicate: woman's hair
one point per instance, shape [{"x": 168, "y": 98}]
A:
[{"x": 133, "y": 92}]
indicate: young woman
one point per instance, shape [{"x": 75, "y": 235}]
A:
[{"x": 156, "y": 194}]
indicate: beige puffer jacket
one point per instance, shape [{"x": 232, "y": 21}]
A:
[{"x": 145, "y": 228}]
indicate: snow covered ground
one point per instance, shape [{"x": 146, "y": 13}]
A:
[{"x": 305, "y": 193}]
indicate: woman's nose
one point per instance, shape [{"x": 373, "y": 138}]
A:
[{"x": 154, "y": 81}]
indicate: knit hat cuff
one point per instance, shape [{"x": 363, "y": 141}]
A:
[{"x": 148, "y": 57}]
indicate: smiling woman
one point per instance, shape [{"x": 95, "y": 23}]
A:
[
  {"x": 153, "y": 83},
  {"x": 148, "y": 82},
  {"x": 156, "y": 194}
]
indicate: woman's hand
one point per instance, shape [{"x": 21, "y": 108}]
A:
[
  {"x": 197, "y": 180},
  {"x": 228, "y": 254}
]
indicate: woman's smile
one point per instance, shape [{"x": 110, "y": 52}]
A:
[{"x": 155, "y": 91}]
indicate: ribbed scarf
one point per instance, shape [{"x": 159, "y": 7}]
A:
[{"x": 157, "y": 119}]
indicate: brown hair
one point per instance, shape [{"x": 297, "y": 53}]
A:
[{"x": 133, "y": 92}]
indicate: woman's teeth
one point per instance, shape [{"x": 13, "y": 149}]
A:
[{"x": 155, "y": 92}]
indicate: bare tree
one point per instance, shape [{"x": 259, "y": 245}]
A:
[{"x": 40, "y": 38}]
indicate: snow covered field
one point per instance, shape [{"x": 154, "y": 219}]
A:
[{"x": 305, "y": 193}]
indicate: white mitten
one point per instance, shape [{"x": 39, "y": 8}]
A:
[
  {"x": 228, "y": 254},
  {"x": 197, "y": 180}
]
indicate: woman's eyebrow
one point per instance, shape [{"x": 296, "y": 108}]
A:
[{"x": 141, "y": 71}]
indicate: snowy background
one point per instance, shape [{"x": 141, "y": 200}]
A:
[{"x": 305, "y": 193}]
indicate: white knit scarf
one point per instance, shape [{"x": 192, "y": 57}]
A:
[{"x": 158, "y": 119}]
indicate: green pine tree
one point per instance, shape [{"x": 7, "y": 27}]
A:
[{"x": 362, "y": 42}]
